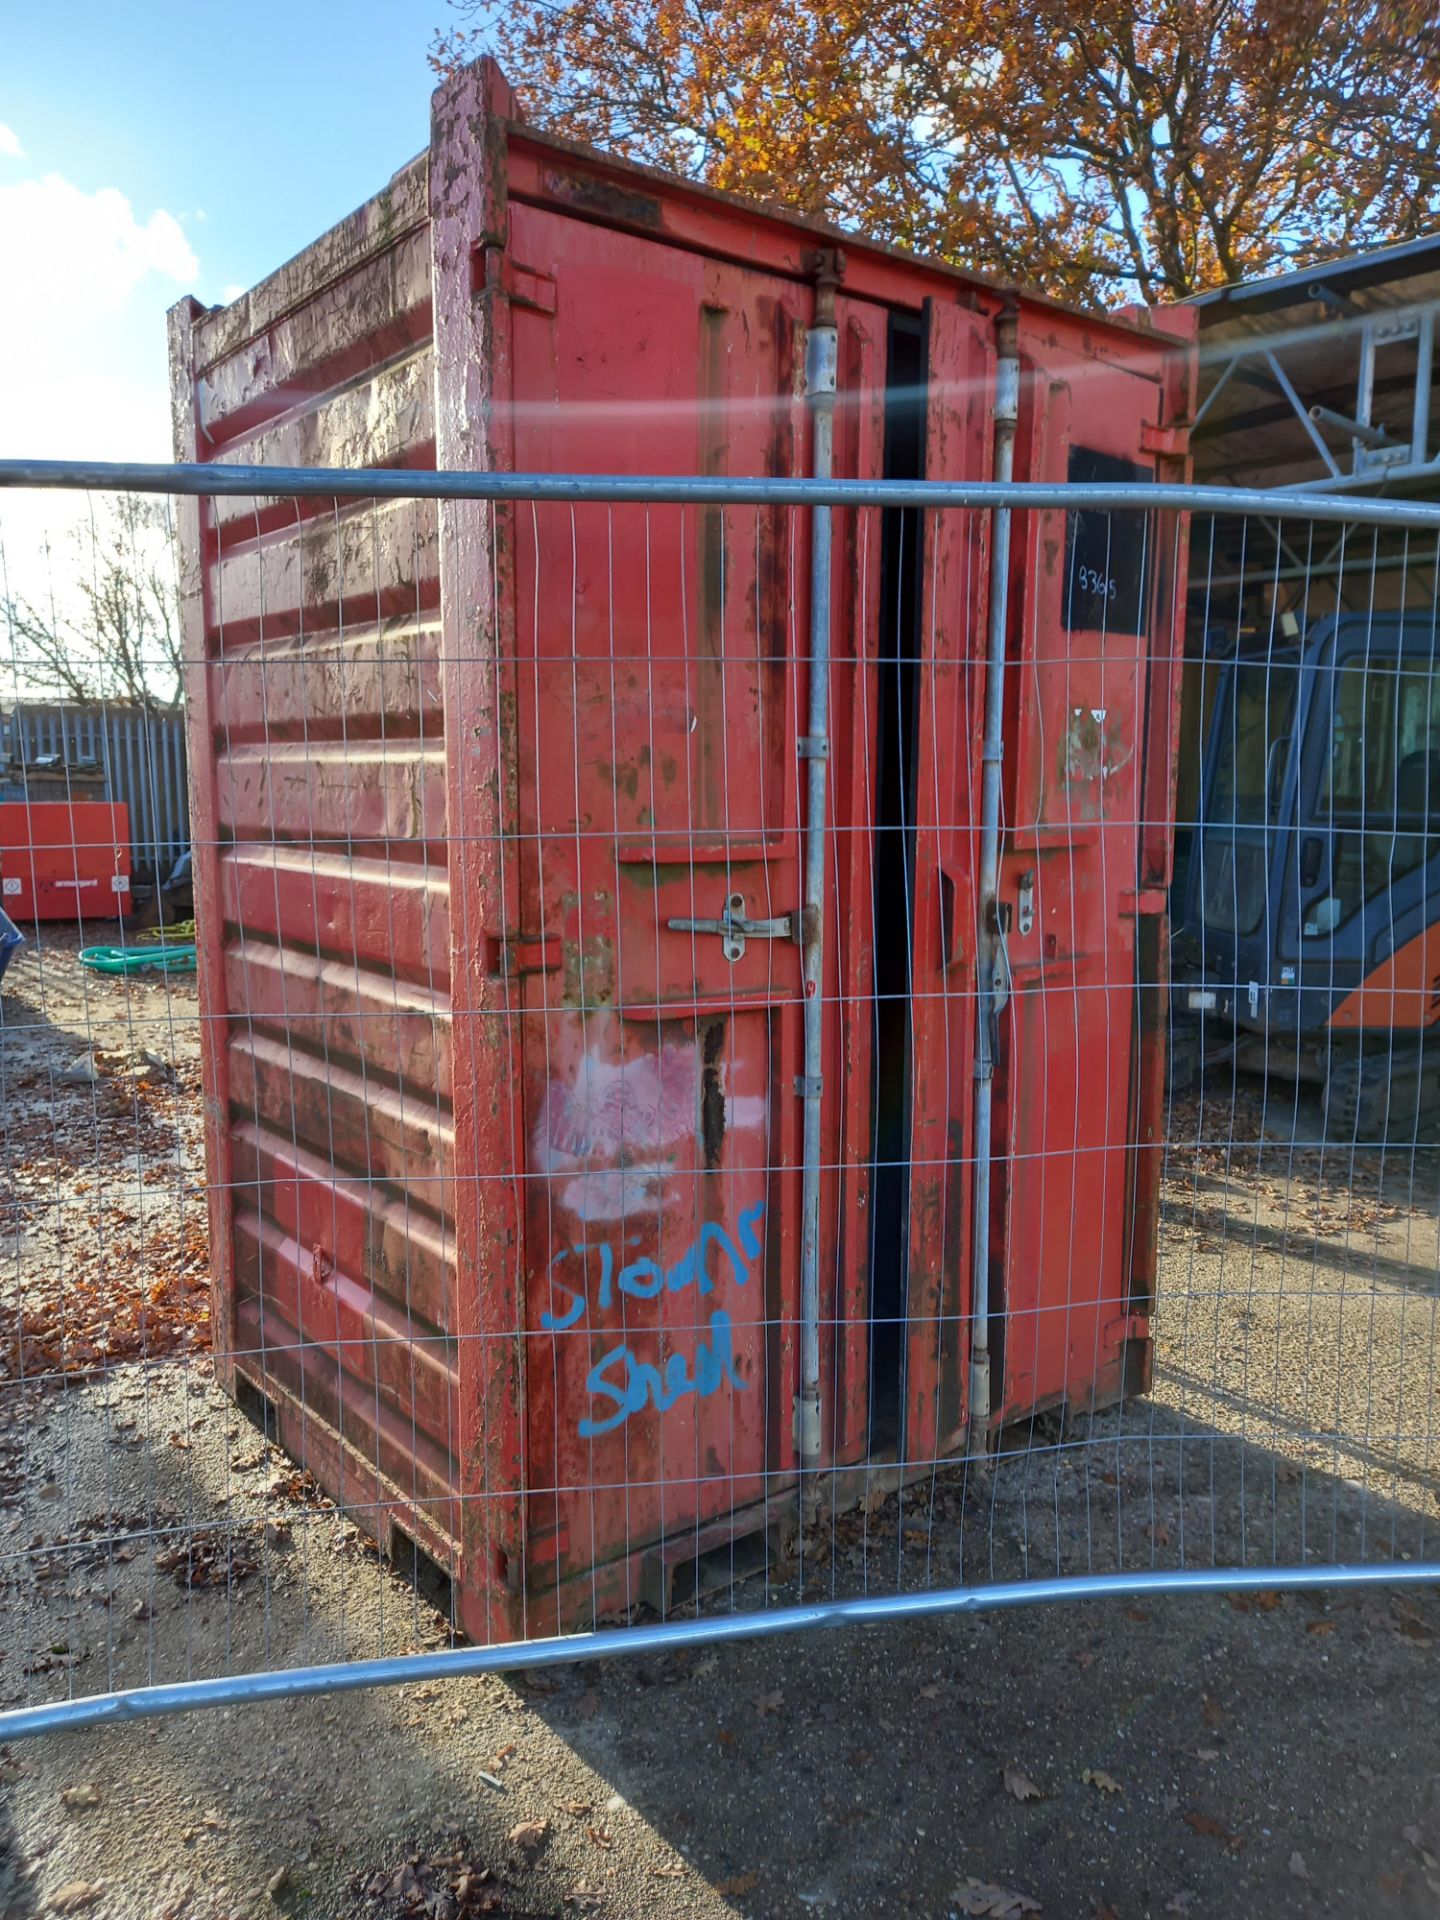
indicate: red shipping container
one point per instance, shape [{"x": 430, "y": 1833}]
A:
[
  {"x": 65, "y": 860},
  {"x": 503, "y": 1128}
]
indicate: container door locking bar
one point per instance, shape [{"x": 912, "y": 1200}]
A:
[{"x": 735, "y": 929}]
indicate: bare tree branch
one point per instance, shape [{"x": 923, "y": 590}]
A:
[{"x": 111, "y": 630}]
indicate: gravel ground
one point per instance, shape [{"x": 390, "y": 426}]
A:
[{"x": 1196, "y": 1757}]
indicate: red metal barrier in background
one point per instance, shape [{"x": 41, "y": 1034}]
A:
[{"x": 65, "y": 860}]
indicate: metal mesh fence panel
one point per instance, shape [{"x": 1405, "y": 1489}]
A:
[{"x": 630, "y": 1153}]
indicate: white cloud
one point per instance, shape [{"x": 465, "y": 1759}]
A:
[
  {"x": 233, "y": 291},
  {"x": 10, "y": 145},
  {"x": 83, "y": 297},
  {"x": 86, "y": 247}
]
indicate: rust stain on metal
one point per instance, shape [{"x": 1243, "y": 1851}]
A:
[
  {"x": 712, "y": 1094},
  {"x": 1095, "y": 748},
  {"x": 588, "y": 193}
]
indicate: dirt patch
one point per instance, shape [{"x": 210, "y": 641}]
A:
[{"x": 102, "y": 1228}]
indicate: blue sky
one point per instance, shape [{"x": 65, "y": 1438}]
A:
[{"x": 155, "y": 149}]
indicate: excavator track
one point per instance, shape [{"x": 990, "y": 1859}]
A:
[{"x": 1382, "y": 1097}]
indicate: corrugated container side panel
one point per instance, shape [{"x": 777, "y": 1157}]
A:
[
  {"x": 326, "y": 801},
  {"x": 375, "y": 234}
]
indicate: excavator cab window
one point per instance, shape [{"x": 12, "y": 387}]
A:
[
  {"x": 1378, "y": 782},
  {"x": 1249, "y": 753}
]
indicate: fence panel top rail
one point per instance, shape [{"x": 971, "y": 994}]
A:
[{"x": 386, "y": 483}]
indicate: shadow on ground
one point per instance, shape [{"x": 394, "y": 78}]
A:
[{"x": 1128, "y": 1758}]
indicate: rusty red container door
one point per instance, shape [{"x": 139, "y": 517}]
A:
[
  {"x": 660, "y": 694},
  {"x": 901, "y": 1012},
  {"x": 1095, "y": 623}
]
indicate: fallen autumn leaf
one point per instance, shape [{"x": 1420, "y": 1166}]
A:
[
  {"x": 1101, "y": 1781},
  {"x": 75, "y": 1895},
  {"x": 1207, "y": 1824},
  {"x": 1019, "y": 1785},
  {"x": 979, "y": 1897},
  {"x": 529, "y": 1836}
]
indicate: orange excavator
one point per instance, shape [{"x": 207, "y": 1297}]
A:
[{"x": 1309, "y": 941}]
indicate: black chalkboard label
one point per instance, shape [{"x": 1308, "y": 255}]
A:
[{"x": 1107, "y": 558}]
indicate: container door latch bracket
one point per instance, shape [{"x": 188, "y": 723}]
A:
[{"x": 735, "y": 927}]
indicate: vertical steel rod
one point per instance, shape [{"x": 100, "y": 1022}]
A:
[
  {"x": 1364, "y": 394},
  {"x": 988, "y": 955},
  {"x": 821, "y": 356},
  {"x": 1424, "y": 360}
]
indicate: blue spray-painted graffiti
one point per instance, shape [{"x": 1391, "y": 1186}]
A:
[
  {"x": 630, "y": 1385},
  {"x": 618, "y": 1378}
]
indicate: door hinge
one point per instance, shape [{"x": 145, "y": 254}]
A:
[
  {"x": 1130, "y": 1326},
  {"x": 1138, "y": 903},
  {"x": 523, "y": 287},
  {"x": 1170, "y": 443},
  {"x": 494, "y": 271},
  {"x": 509, "y": 955}
]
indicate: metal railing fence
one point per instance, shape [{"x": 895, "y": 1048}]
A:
[{"x": 652, "y": 1144}]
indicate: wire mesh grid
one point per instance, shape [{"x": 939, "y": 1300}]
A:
[{"x": 426, "y": 1270}]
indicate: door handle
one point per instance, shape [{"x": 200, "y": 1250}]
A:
[
  {"x": 1312, "y": 850},
  {"x": 735, "y": 927},
  {"x": 1025, "y": 902},
  {"x": 951, "y": 945}
]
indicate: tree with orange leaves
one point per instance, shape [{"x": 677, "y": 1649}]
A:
[{"x": 1101, "y": 150}]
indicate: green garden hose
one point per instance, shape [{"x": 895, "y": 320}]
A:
[{"x": 179, "y": 959}]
